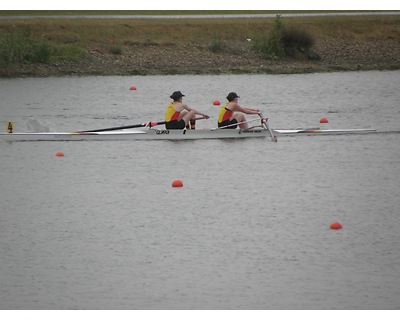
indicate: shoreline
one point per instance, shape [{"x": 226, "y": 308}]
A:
[
  {"x": 167, "y": 59},
  {"x": 182, "y": 46}
]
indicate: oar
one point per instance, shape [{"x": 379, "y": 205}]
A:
[
  {"x": 146, "y": 124},
  {"x": 234, "y": 124},
  {"x": 264, "y": 123}
]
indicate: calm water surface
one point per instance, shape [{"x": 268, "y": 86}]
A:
[{"x": 102, "y": 228}]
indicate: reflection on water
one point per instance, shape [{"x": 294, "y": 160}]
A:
[{"x": 102, "y": 228}]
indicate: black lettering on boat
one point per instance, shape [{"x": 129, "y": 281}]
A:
[
  {"x": 162, "y": 131},
  {"x": 251, "y": 131}
]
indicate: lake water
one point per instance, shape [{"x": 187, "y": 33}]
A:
[{"x": 102, "y": 228}]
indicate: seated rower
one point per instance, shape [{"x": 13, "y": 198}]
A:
[
  {"x": 227, "y": 118},
  {"x": 179, "y": 115}
]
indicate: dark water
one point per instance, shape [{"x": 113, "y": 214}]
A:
[{"x": 102, "y": 228}]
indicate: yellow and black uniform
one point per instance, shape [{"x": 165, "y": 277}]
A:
[
  {"x": 171, "y": 118},
  {"x": 224, "y": 118}
]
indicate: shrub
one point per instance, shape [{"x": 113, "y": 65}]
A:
[
  {"x": 270, "y": 45},
  {"x": 312, "y": 55},
  {"x": 17, "y": 47},
  {"x": 282, "y": 42},
  {"x": 295, "y": 41},
  {"x": 115, "y": 49},
  {"x": 67, "y": 52},
  {"x": 41, "y": 52},
  {"x": 216, "y": 46},
  {"x": 13, "y": 47}
]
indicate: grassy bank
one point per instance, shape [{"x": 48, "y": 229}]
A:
[
  {"x": 145, "y": 12},
  {"x": 148, "y": 46}
]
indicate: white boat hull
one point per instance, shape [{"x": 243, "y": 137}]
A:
[
  {"x": 162, "y": 134},
  {"x": 144, "y": 134}
]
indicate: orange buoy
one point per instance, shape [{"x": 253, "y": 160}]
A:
[
  {"x": 177, "y": 183},
  {"x": 323, "y": 120},
  {"x": 60, "y": 154},
  {"x": 216, "y": 102},
  {"x": 132, "y": 88},
  {"x": 336, "y": 226}
]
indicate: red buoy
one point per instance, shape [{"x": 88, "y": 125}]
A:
[
  {"x": 323, "y": 120},
  {"x": 132, "y": 88},
  {"x": 216, "y": 102},
  {"x": 60, "y": 154},
  {"x": 336, "y": 226},
  {"x": 177, "y": 183}
]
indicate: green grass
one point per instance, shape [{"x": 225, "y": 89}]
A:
[
  {"x": 86, "y": 31},
  {"x": 51, "y": 40},
  {"x": 151, "y": 12}
]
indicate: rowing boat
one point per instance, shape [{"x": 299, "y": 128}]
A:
[
  {"x": 148, "y": 131},
  {"x": 139, "y": 134},
  {"x": 162, "y": 134}
]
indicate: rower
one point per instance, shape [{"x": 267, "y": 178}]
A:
[
  {"x": 179, "y": 115},
  {"x": 227, "y": 117}
]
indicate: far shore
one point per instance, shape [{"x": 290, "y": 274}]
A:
[{"x": 182, "y": 46}]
